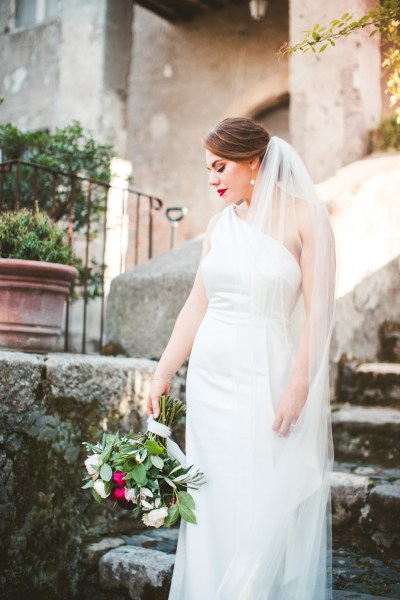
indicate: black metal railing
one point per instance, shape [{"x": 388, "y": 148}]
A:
[{"x": 79, "y": 205}]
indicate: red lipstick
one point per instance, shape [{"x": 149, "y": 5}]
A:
[{"x": 222, "y": 191}]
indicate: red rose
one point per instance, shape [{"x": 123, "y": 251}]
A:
[
  {"x": 118, "y": 478},
  {"x": 117, "y": 494}
]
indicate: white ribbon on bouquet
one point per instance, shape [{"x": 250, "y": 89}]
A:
[{"x": 164, "y": 431}]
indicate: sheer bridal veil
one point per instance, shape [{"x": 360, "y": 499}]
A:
[{"x": 281, "y": 494}]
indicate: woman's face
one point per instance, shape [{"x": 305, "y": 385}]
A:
[{"x": 231, "y": 179}]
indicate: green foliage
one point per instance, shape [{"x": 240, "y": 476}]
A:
[
  {"x": 156, "y": 478},
  {"x": 384, "y": 17},
  {"x": 28, "y": 236},
  {"x": 387, "y": 136},
  {"x": 68, "y": 150}
]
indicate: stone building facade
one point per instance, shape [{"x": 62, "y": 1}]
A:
[{"x": 154, "y": 87}]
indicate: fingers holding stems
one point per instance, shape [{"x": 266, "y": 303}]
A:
[{"x": 158, "y": 387}]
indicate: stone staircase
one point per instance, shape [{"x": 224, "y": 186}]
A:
[{"x": 365, "y": 503}]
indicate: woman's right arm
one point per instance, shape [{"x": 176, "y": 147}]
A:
[{"x": 183, "y": 334}]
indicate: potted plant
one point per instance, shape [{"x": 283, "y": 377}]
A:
[{"x": 37, "y": 270}]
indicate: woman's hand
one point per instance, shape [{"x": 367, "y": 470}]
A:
[
  {"x": 289, "y": 408},
  {"x": 158, "y": 387}
]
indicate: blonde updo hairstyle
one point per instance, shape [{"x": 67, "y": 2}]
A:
[{"x": 238, "y": 139}]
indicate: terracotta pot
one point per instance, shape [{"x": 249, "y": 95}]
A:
[{"x": 32, "y": 296}]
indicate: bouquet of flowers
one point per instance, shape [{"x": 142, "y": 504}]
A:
[{"x": 145, "y": 472}]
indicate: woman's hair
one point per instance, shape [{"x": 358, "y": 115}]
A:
[{"x": 238, "y": 139}]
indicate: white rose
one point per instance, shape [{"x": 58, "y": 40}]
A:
[
  {"x": 130, "y": 495},
  {"x": 92, "y": 463},
  {"x": 156, "y": 517},
  {"x": 100, "y": 489}
]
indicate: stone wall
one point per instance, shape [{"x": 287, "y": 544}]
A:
[
  {"x": 335, "y": 96},
  {"x": 49, "y": 404},
  {"x": 72, "y": 66},
  {"x": 144, "y": 302},
  {"x": 363, "y": 203},
  {"x": 185, "y": 77}
]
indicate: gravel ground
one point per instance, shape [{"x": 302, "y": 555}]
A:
[{"x": 365, "y": 575}]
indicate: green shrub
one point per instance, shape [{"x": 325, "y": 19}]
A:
[
  {"x": 387, "y": 136},
  {"x": 28, "y": 236}
]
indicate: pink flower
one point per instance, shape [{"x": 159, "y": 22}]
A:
[
  {"x": 118, "y": 478},
  {"x": 117, "y": 494}
]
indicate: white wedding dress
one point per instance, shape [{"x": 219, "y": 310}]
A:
[{"x": 247, "y": 543}]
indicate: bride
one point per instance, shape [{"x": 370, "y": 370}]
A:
[{"x": 257, "y": 327}]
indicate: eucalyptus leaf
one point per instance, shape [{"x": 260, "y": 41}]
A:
[
  {"x": 139, "y": 474},
  {"x": 88, "y": 485},
  {"x": 157, "y": 461},
  {"x": 96, "y": 496},
  {"x": 106, "y": 472},
  {"x": 171, "y": 483}
]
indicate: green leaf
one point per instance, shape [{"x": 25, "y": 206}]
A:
[
  {"x": 139, "y": 474},
  {"x": 152, "y": 447},
  {"x": 186, "y": 513},
  {"x": 316, "y": 36},
  {"x": 186, "y": 499},
  {"x": 171, "y": 483},
  {"x": 96, "y": 496},
  {"x": 157, "y": 461},
  {"x": 323, "y": 47},
  {"x": 88, "y": 484},
  {"x": 373, "y": 32},
  {"x": 105, "y": 455},
  {"x": 173, "y": 516},
  {"x": 106, "y": 472},
  {"x": 344, "y": 15},
  {"x": 129, "y": 464}
]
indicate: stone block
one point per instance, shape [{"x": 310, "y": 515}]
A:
[
  {"x": 389, "y": 337},
  {"x": 366, "y": 510},
  {"x": 141, "y": 572},
  {"x": 368, "y": 434},
  {"x": 369, "y": 383},
  {"x": 93, "y": 552},
  {"x": 49, "y": 405},
  {"x": 119, "y": 385},
  {"x": 381, "y": 519},
  {"x": 144, "y": 302},
  {"x": 21, "y": 375},
  {"x": 349, "y": 494}
]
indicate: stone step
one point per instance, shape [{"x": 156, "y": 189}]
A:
[
  {"x": 342, "y": 595},
  {"x": 141, "y": 572},
  {"x": 369, "y": 383},
  {"x": 365, "y": 519},
  {"x": 366, "y": 509},
  {"x": 366, "y": 434}
]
